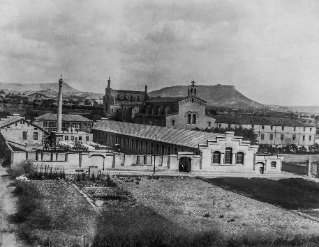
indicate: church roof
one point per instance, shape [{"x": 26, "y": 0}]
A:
[{"x": 180, "y": 137}]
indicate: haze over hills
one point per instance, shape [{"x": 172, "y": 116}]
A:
[
  {"x": 215, "y": 95},
  {"x": 48, "y": 89}
]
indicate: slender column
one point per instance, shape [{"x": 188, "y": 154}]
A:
[{"x": 59, "y": 121}]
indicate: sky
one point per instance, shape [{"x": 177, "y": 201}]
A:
[{"x": 268, "y": 50}]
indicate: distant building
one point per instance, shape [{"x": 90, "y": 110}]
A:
[
  {"x": 69, "y": 122},
  {"x": 273, "y": 131},
  {"x": 18, "y": 130},
  {"x": 123, "y": 102},
  {"x": 37, "y": 98}
]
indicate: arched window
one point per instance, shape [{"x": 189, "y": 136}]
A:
[
  {"x": 216, "y": 157},
  {"x": 228, "y": 155},
  {"x": 194, "y": 118},
  {"x": 240, "y": 158},
  {"x": 189, "y": 118}
]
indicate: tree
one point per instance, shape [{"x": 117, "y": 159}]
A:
[{"x": 31, "y": 114}]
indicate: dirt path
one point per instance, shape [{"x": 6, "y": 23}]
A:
[{"x": 7, "y": 207}]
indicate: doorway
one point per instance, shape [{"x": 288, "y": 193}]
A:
[
  {"x": 260, "y": 168},
  {"x": 185, "y": 164}
]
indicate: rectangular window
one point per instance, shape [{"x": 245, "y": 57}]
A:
[
  {"x": 72, "y": 138},
  {"x": 273, "y": 164},
  {"x": 271, "y": 136},
  {"x": 66, "y": 138},
  {"x": 303, "y": 138},
  {"x": 35, "y": 135},
  {"x": 219, "y": 126},
  {"x": 304, "y": 129},
  {"x": 209, "y": 123},
  {"x": 87, "y": 138},
  {"x": 310, "y": 129},
  {"x": 24, "y": 135},
  {"x": 80, "y": 138},
  {"x": 263, "y": 127},
  {"x": 282, "y": 128},
  {"x": 293, "y": 137},
  {"x": 309, "y": 138},
  {"x": 252, "y": 126},
  {"x": 45, "y": 124},
  {"x": 271, "y": 127},
  {"x": 281, "y": 136},
  {"x": 228, "y": 155},
  {"x": 294, "y": 128},
  {"x": 262, "y": 136}
]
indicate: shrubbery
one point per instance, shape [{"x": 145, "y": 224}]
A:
[{"x": 25, "y": 167}]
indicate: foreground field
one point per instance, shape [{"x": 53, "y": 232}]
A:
[
  {"x": 199, "y": 206},
  {"x": 53, "y": 212}
]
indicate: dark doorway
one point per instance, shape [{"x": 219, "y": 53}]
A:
[{"x": 185, "y": 164}]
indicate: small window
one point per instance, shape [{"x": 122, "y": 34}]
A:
[
  {"x": 252, "y": 126},
  {"x": 16, "y": 124},
  {"x": 173, "y": 122},
  {"x": 309, "y": 138},
  {"x": 87, "y": 138},
  {"x": 263, "y": 127},
  {"x": 282, "y": 128},
  {"x": 80, "y": 138},
  {"x": 293, "y": 137},
  {"x": 35, "y": 135},
  {"x": 294, "y": 128},
  {"x": 304, "y": 129},
  {"x": 271, "y": 127},
  {"x": 228, "y": 155},
  {"x": 35, "y": 128},
  {"x": 66, "y": 138},
  {"x": 273, "y": 164},
  {"x": 303, "y": 138},
  {"x": 262, "y": 136},
  {"x": 194, "y": 119},
  {"x": 271, "y": 136},
  {"x": 216, "y": 157},
  {"x": 72, "y": 138},
  {"x": 219, "y": 126},
  {"x": 310, "y": 129},
  {"x": 281, "y": 136},
  {"x": 240, "y": 158},
  {"x": 209, "y": 124},
  {"x": 24, "y": 135},
  {"x": 189, "y": 118}
]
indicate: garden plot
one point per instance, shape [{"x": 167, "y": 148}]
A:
[{"x": 199, "y": 206}]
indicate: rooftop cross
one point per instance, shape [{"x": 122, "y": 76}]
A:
[{"x": 193, "y": 82}]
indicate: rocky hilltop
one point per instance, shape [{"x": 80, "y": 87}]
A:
[{"x": 215, "y": 95}]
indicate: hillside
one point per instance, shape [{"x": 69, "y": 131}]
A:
[
  {"x": 34, "y": 87},
  {"x": 216, "y": 95}
]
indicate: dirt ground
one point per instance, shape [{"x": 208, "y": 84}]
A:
[
  {"x": 7, "y": 208},
  {"x": 198, "y": 206}
]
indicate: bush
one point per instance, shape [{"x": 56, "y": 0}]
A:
[{"x": 24, "y": 167}]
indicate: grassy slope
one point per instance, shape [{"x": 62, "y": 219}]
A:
[{"x": 293, "y": 193}]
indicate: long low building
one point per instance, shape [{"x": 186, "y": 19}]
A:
[{"x": 215, "y": 152}]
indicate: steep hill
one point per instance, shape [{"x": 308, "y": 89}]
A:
[{"x": 216, "y": 95}]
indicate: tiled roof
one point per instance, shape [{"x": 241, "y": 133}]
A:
[
  {"x": 65, "y": 117},
  {"x": 127, "y": 91},
  {"x": 14, "y": 119},
  {"x": 256, "y": 120},
  {"x": 9, "y": 121},
  {"x": 166, "y": 99},
  {"x": 180, "y": 137}
]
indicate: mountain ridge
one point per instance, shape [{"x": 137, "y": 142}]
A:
[{"x": 215, "y": 95}]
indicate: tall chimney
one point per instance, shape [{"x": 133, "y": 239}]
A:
[
  {"x": 59, "y": 124},
  {"x": 109, "y": 82},
  {"x": 145, "y": 89}
]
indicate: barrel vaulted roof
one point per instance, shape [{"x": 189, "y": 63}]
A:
[{"x": 180, "y": 137}]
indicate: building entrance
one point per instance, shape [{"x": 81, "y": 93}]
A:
[{"x": 185, "y": 164}]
